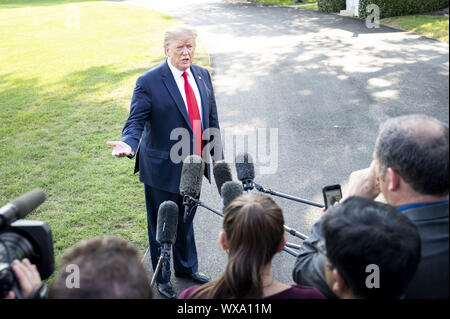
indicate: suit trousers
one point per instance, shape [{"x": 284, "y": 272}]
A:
[{"x": 184, "y": 251}]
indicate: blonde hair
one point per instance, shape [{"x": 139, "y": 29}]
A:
[{"x": 177, "y": 32}]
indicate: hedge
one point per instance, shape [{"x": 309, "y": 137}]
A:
[
  {"x": 390, "y": 8},
  {"x": 331, "y": 5}
]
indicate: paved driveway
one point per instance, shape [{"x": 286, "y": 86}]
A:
[{"x": 325, "y": 82}]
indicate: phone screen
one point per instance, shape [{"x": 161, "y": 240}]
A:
[{"x": 332, "y": 196}]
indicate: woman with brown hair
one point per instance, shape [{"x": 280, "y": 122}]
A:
[{"x": 253, "y": 232}]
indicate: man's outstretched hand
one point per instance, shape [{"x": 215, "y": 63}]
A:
[{"x": 120, "y": 149}]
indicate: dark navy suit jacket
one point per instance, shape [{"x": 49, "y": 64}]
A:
[
  {"x": 157, "y": 108},
  {"x": 431, "y": 278}
]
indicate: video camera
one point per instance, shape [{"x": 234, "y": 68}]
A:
[{"x": 21, "y": 239}]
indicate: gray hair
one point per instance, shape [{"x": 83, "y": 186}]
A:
[
  {"x": 417, "y": 148},
  {"x": 178, "y": 32}
]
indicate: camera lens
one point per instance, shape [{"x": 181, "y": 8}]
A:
[{"x": 14, "y": 246}]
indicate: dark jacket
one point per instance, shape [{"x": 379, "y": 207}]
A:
[
  {"x": 431, "y": 278},
  {"x": 157, "y": 108}
]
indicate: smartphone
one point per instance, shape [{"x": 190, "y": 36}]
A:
[{"x": 331, "y": 195}]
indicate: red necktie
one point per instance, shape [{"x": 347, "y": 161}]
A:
[{"x": 194, "y": 116}]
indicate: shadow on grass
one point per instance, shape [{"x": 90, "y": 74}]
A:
[
  {"x": 70, "y": 117},
  {"x": 17, "y": 93},
  {"x": 99, "y": 78},
  {"x": 53, "y": 137}
]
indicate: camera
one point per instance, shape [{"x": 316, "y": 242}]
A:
[{"x": 21, "y": 239}]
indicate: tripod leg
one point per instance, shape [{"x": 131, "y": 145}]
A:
[{"x": 158, "y": 268}]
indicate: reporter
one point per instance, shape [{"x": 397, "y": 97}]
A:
[{"x": 253, "y": 233}]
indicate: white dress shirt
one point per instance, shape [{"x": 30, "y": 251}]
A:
[{"x": 177, "y": 75}]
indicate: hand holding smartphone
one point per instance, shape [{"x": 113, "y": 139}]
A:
[{"x": 331, "y": 195}]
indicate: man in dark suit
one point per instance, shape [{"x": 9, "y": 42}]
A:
[
  {"x": 175, "y": 99},
  {"x": 410, "y": 168}
]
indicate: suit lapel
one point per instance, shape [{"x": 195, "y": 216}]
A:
[
  {"x": 172, "y": 87},
  {"x": 203, "y": 95}
]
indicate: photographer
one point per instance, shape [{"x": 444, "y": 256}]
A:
[
  {"x": 410, "y": 168},
  {"x": 29, "y": 280},
  {"x": 26, "y": 240}
]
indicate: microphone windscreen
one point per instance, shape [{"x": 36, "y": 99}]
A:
[
  {"x": 230, "y": 190},
  {"x": 244, "y": 167},
  {"x": 29, "y": 201},
  {"x": 222, "y": 174},
  {"x": 166, "y": 226},
  {"x": 191, "y": 176}
]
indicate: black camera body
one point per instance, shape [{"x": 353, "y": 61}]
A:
[{"x": 24, "y": 239}]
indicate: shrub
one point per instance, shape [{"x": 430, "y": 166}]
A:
[
  {"x": 331, "y": 5},
  {"x": 390, "y": 8}
]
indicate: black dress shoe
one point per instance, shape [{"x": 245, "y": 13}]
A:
[
  {"x": 166, "y": 290},
  {"x": 197, "y": 277}
]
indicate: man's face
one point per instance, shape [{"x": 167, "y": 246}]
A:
[{"x": 181, "y": 53}]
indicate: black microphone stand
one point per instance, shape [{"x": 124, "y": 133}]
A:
[
  {"x": 286, "y": 249},
  {"x": 209, "y": 208},
  {"x": 249, "y": 185},
  {"x": 192, "y": 202},
  {"x": 163, "y": 263},
  {"x": 189, "y": 202},
  {"x": 271, "y": 192}
]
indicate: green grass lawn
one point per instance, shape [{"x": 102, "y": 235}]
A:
[
  {"x": 312, "y": 7},
  {"x": 431, "y": 26},
  {"x": 285, "y": 2},
  {"x": 66, "y": 78}
]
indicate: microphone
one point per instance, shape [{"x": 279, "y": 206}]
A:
[
  {"x": 166, "y": 234},
  {"x": 191, "y": 181},
  {"x": 245, "y": 170},
  {"x": 230, "y": 190},
  {"x": 222, "y": 174},
  {"x": 246, "y": 174},
  {"x": 166, "y": 226},
  {"x": 21, "y": 206}
]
